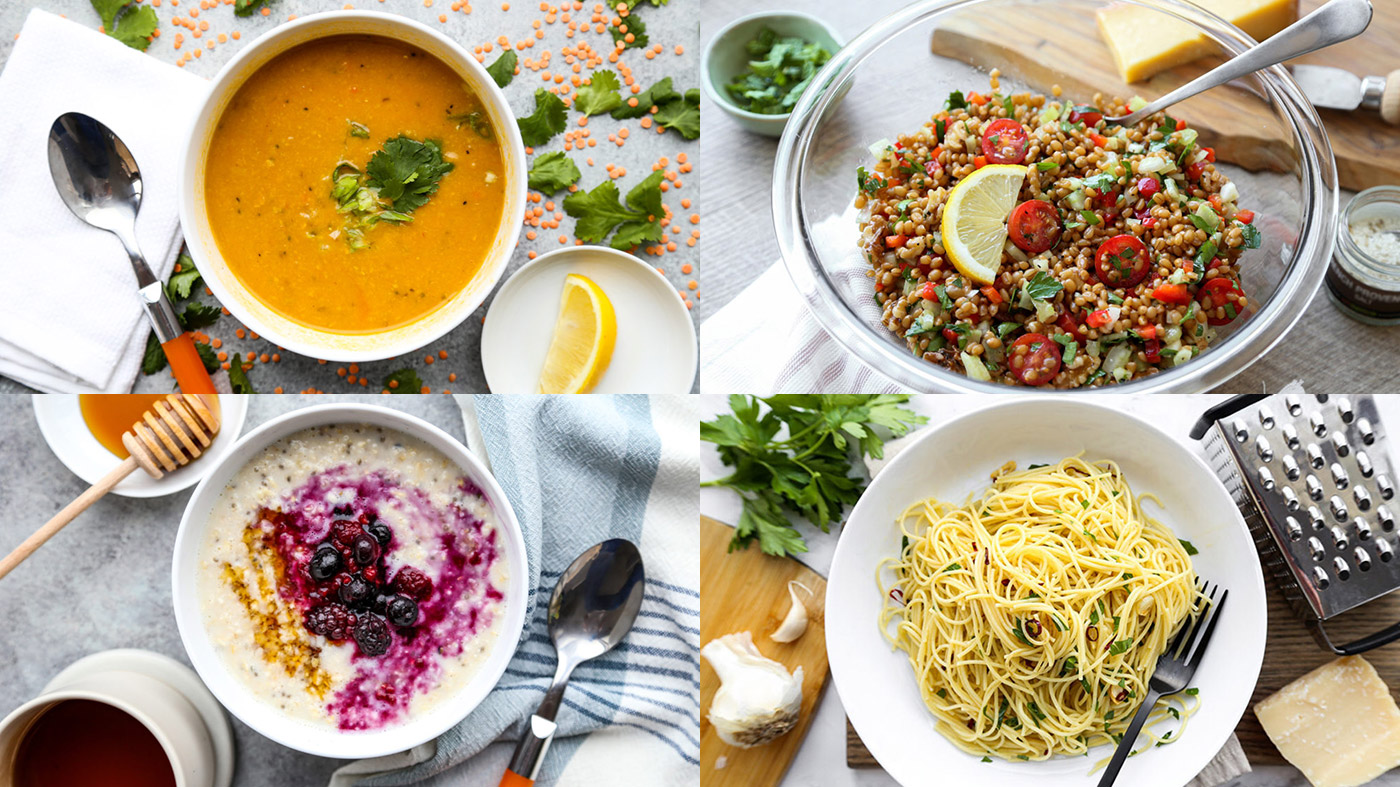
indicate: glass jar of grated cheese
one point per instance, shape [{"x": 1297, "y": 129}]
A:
[{"x": 1364, "y": 278}]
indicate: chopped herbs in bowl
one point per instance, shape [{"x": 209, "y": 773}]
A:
[{"x": 781, "y": 68}]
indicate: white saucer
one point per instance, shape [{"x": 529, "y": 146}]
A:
[
  {"x": 656, "y": 346},
  {"x": 173, "y": 674},
  {"x": 61, "y": 423}
]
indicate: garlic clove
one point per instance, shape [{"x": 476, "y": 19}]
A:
[
  {"x": 758, "y": 699},
  {"x": 795, "y": 622}
]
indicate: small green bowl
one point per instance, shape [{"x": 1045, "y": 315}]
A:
[{"x": 726, "y": 56}]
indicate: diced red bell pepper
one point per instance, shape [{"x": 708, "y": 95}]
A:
[
  {"x": 1245, "y": 216},
  {"x": 1195, "y": 170},
  {"x": 1215, "y": 202},
  {"x": 978, "y": 98},
  {"x": 1210, "y": 153},
  {"x": 1175, "y": 294},
  {"x": 1147, "y": 332},
  {"x": 951, "y": 335},
  {"x": 992, "y": 295},
  {"x": 896, "y": 241},
  {"x": 927, "y": 291},
  {"x": 1098, "y": 319},
  {"x": 979, "y": 162},
  {"x": 1180, "y": 125},
  {"x": 1099, "y": 139},
  {"x": 1148, "y": 186}
]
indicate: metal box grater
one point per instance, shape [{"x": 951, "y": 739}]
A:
[{"x": 1311, "y": 474}]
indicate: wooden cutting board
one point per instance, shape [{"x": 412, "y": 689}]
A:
[
  {"x": 1290, "y": 653},
  {"x": 1367, "y": 148},
  {"x": 748, "y": 591}
]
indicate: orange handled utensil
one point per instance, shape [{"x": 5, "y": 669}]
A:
[
  {"x": 173, "y": 433},
  {"x": 98, "y": 180}
]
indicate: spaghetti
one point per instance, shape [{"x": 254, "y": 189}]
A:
[{"x": 1034, "y": 616}]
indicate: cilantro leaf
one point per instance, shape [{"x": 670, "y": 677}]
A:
[
  {"x": 681, "y": 114},
  {"x": 199, "y": 315},
  {"x": 636, "y": 27},
  {"x": 407, "y": 171},
  {"x": 548, "y": 119},
  {"x": 108, "y": 10},
  {"x": 810, "y": 473},
  {"x": 599, "y": 95},
  {"x": 1253, "y": 239},
  {"x": 553, "y": 172},
  {"x": 599, "y": 212},
  {"x": 153, "y": 359},
  {"x": 206, "y": 355},
  {"x": 182, "y": 283},
  {"x": 403, "y": 381},
  {"x": 238, "y": 378},
  {"x": 502, "y": 71},
  {"x": 657, "y": 94},
  {"x": 133, "y": 26},
  {"x": 247, "y": 7}
]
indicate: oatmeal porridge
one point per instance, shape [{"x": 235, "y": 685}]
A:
[{"x": 352, "y": 576}]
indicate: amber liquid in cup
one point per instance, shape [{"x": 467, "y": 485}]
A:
[
  {"x": 108, "y": 416},
  {"x": 83, "y": 742}
]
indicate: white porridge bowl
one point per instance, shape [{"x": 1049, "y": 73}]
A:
[{"x": 258, "y": 711}]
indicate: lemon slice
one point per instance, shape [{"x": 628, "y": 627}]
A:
[
  {"x": 974, "y": 219},
  {"x": 584, "y": 334}
]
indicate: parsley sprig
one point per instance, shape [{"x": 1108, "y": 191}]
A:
[{"x": 810, "y": 472}]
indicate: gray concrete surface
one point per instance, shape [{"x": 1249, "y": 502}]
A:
[
  {"x": 671, "y": 25},
  {"x": 104, "y": 581}
]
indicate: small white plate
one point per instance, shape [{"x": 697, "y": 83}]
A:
[
  {"x": 656, "y": 345},
  {"x": 61, "y": 422},
  {"x": 877, "y": 685}
]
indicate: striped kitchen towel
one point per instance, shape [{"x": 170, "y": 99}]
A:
[{"x": 579, "y": 470}]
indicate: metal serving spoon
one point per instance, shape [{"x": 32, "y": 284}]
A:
[
  {"x": 1332, "y": 23},
  {"x": 98, "y": 180},
  {"x": 592, "y": 609}
]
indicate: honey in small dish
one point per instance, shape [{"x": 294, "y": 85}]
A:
[
  {"x": 83, "y": 742},
  {"x": 108, "y": 416}
]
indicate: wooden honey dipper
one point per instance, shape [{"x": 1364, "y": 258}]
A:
[{"x": 173, "y": 433}]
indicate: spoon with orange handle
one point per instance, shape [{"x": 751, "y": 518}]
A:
[
  {"x": 97, "y": 178},
  {"x": 592, "y": 609},
  {"x": 170, "y": 435}
]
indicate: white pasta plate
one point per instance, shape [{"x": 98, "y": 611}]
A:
[{"x": 951, "y": 461}]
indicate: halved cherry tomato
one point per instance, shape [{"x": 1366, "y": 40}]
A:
[
  {"x": 1099, "y": 140},
  {"x": 992, "y": 294},
  {"x": 1245, "y": 216},
  {"x": 1034, "y": 359},
  {"x": 1194, "y": 171},
  {"x": 1148, "y": 186},
  {"x": 1004, "y": 141},
  {"x": 1071, "y": 326},
  {"x": 1175, "y": 294},
  {"x": 1034, "y": 226},
  {"x": 927, "y": 292},
  {"x": 1217, "y": 293},
  {"x": 1180, "y": 125},
  {"x": 1098, "y": 319},
  {"x": 1122, "y": 261},
  {"x": 951, "y": 335},
  {"x": 1086, "y": 114},
  {"x": 896, "y": 241}
]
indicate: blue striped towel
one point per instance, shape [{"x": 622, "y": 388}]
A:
[{"x": 578, "y": 470}]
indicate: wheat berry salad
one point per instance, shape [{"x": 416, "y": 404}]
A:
[
  {"x": 352, "y": 577},
  {"x": 1025, "y": 240}
]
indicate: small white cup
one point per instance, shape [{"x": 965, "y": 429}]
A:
[{"x": 173, "y": 718}]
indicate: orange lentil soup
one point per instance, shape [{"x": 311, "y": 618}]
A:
[{"x": 306, "y": 119}]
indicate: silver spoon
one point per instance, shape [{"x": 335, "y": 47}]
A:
[
  {"x": 1330, "y": 24},
  {"x": 97, "y": 178},
  {"x": 592, "y": 609}
]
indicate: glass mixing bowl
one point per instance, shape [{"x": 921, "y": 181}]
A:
[{"x": 896, "y": 75}]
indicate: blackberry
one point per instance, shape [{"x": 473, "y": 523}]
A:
[
  {"x": 325, "y": 563},
  {"x": 403, "y": 611},
  {"x": 364, "y": 549},
  {"x": 372, "y": 635},
  {"x": 355, "y": 591},
  {"x": 413, "y": 583},
  {"x": 331, "y": 621}
]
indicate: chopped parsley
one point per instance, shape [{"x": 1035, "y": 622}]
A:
[
  {"x": 1042, "y": 286},
  {"x": 779, "y": 69},
  {"x": 1253, "y": 239},
  {"x": 955, "y": 101}
]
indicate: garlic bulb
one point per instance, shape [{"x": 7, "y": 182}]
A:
[
  {"x": 758, "y": 700},
  {"x": 795, "y": 622}
]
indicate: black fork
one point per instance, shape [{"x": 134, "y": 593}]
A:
[{"x": 1175, "y": 669}]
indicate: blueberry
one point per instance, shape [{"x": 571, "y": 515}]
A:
[
  {"x": 364, "y": 549},
  {"x": 403, "y": 611},
  {"x": 325, "y": 563},
  {"x": 381, "y": 532},
  {"x": 355, "y": 591},
  {"x": 372, "y": 635}
]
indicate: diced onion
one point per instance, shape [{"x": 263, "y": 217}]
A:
[
  {"x": 974, "y": 368},
  {"x": 1151, "y": 164}
]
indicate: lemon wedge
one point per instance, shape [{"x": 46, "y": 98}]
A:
[
  {"x": 974, "y": 219},
  {"x": 584, "y": 334}
]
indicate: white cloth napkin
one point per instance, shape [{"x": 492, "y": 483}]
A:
[
  {"x": 767, "y": 340},
  {"x": 70, "y": 317}
]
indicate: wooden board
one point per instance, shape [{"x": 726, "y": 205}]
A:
[
  {"x": 1290, "y": 653},
  {"x": 1243, "y": 132},
  {"x": 748, "y": 591}
]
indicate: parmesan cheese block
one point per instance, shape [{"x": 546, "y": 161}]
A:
[
  {"x": 1337, "y": 724},
  {"x": 1145, "y": 42}
]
